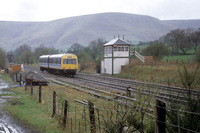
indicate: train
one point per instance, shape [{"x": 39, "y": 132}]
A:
[{"x": 63, "y": 64}]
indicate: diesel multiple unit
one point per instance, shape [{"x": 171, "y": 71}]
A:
[{"x": 64, "y": 64}]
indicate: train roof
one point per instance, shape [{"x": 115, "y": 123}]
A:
[
  {"x": 55, "y": 55},
  {"x": 44, "y": 56}
]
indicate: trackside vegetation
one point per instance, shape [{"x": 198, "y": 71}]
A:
[{"x": 26, "y": 108}]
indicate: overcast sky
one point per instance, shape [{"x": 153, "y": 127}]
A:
[{"x": 46, "y": 10}]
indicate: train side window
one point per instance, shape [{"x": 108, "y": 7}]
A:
[{"x": 56, "y": 60}]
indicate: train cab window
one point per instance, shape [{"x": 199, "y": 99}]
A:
[
  {"x": 64, "y": 61},
  {"x": 69, "y": 61}
]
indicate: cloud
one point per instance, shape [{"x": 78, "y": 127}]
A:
[{"x": 45, "y": 10}]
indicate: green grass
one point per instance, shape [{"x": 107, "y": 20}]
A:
[
  {"x": 159, "y": 72},
  {"x": 28, "y": 110}
]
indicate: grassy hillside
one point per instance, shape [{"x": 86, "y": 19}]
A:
[{"x": 83, "y": 29}]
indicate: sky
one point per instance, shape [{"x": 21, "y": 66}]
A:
[{"x": 47, "y": 10}]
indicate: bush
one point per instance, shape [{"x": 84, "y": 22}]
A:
[{"x": 157, "y": 50}]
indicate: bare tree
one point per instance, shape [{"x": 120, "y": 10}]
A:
[
  {"x": 42, "y": 50},
  {"x": 177, "y": 40},
  {"x": 97, "y": 48},
  {"x": 75, "y": 48},
  {"x": 23, "y": 54},
  {"x": 196, "y": 39}
]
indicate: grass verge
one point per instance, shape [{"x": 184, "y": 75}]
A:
[{"x": 29, "y": 111}]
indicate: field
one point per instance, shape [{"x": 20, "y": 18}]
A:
[
  {"x": 159, "y": 72},
  {"x": 27, "y": 108},
  {"x": 180, "y": 58},
  {"x": 108, "y": 114}
]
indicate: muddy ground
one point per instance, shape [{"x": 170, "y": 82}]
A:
[{"x": 9, "y": 124}]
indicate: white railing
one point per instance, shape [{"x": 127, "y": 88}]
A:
[{"x": 139, "y": 56}]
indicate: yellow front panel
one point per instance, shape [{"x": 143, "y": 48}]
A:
[{"x": 72, "y": 59}]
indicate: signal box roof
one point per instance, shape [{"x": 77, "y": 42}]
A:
[{"x": 117, "y": 41}]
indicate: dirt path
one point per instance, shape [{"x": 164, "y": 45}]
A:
[{"x": 8, "y": 124}]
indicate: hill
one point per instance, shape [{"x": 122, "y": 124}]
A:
[{"x": 64, "y": 32}]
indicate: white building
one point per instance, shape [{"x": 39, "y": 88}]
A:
[{"x": 116, "y": 55}]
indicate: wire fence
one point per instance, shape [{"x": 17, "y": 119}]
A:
[
  {"x": 79, "y": 119},
  {"x": 85, "y": 117}
]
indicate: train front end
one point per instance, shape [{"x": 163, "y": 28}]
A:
[{"x": 69, "y": 64}]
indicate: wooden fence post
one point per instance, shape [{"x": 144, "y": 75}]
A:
[
  {"x": 160, "y": 117},
  {"x": 31, "y": 88},
  {"x": 40, "y": 94},
  {"x": 20, "y": 80},
  {"x": 65, "y": 113},
  {"x": 92, "y": 117},
  {"x": 54, "y": 104},
  {"x": 25, "y": 85},
  {"x": 178, "y": 118},
  {"x": 85, "y": 119},
  {"x": 128, "y": 91},
  {"x": 75, "y": 117},
  {"x": 13, "y": 76},
  {"x": 99, "y": 121},
  {"x": 16, "y": 77}
]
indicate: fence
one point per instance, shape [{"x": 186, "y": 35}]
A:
[
  {"x": 87, "y": 118},
  {"x": 84, "y": 116},
  {"x": 179, "y": 61}
]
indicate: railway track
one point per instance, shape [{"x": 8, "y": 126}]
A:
[
  {"x": 144, "y": 88},
  {"x": 117, "y": 85}
]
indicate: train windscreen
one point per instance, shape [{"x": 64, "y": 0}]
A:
[{"x": 69, "y": 61}]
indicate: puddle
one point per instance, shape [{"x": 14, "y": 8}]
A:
[
  {"x": 8, "y": 124},
  {"x": 3, "y": 90}
]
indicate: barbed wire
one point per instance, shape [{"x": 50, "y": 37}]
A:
[
  {"x": 195, "y": 113},
  {"x": 175, "y": 126}
]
